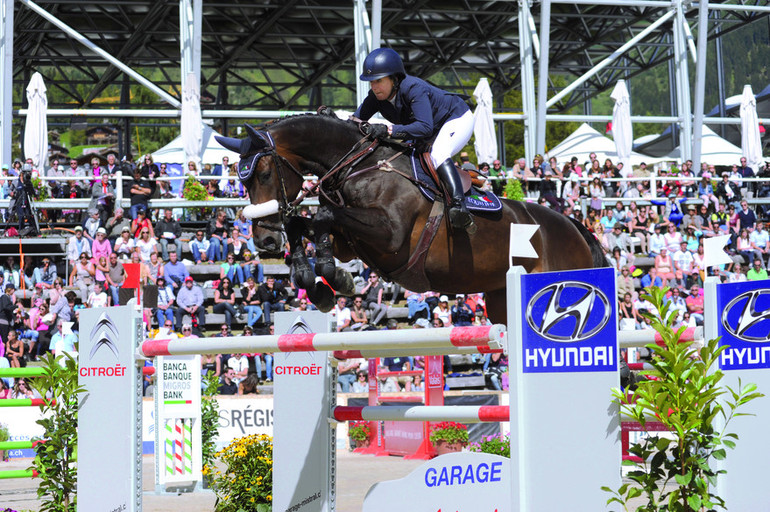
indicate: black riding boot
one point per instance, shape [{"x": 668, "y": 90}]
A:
[{"x": 459, "y": 216}]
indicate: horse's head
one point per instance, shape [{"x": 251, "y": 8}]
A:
[
  {"x": 272, "y": 180},
  {"x": 274, "y": 161}
]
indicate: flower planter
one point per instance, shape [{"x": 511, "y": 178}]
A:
[
  {"x": 362, "y": 444},
  {"x": 443, "y": 447}
]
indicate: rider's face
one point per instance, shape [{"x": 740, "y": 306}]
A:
[{"x": 382, "y": 88}]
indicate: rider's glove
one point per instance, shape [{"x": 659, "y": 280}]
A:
[{"x": 377, "y": 131}]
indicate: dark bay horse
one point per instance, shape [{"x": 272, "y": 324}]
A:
[{"x": 371, "y": 209}]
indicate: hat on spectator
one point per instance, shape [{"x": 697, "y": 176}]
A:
[
  {"x": 78, "y": 228},
  {"x": 39, "y": 285},
  {"x": 125, "y": 228},
  {"x": 443, "y": 298},
  {"x": 422, "y": 323},
  {"x": 188, "y": 278},
  {"x": 92, "y": 211},
  {"x": 10, "y": 286},
  {"x": 459, "y": 296},
  {"x": 706, "y": 176},
  {"x": 140, "y": 209},
  {"x": 5, "y": 166},
  {"x": 671, "y": 195},
  {"x": 101, "y": 230}
]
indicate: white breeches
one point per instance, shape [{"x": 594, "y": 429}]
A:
[{"x": 452, "y": 137}]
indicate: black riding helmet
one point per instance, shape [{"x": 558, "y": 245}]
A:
[{"x": 382, "y": 62}]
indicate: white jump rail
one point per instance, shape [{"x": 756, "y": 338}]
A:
[
  {"x": 461, "y": 413},
  {"x": 424, "y": 341}
]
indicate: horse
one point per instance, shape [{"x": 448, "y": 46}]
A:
[{"x": 371, "y": 208}]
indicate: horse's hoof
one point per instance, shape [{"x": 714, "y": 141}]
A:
[
  {"x": 322, "y": 296},
  {"x": 343, "y": 282},
  {"x": 326, "y": 269},
  {"x": 304, "y": 279}
]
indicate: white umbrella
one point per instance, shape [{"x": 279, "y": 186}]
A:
[
  {"x": 751, "y": 144},
  {"x": 484, "y": 127},
  {"x": 36, "y": 127},
  {"x": 191, "y": 120},
  {"x": 622, "y": 131}
]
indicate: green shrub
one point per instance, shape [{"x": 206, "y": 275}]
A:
[{"x": 246, "y": 485}]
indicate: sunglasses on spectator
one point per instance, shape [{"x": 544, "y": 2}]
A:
[{"x": 186, "y": 329}]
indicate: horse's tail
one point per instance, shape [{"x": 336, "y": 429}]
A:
[{"x": 597, "y": 253}]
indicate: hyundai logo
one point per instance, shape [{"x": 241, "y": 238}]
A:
[
  {"x": 568, "y": 311},
  {"x": 744, "y": 316},
  {"x": 106, "y": 335}
]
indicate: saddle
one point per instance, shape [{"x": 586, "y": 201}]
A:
[{"x": 468, "y": 178}]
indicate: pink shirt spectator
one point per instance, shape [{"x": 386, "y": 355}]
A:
[{"x": 100, "y": 248}]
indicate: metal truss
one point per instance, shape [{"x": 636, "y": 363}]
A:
[{"x": 298, "y": 54}]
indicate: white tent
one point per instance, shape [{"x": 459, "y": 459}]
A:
[
  {"x": 714, "y": 150},
  {"x": 212, "y": 152},
  {"x": 584, "y": 141}
]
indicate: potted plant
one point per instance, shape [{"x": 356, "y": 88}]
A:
[
  {"x": 4, "y": 436},
  {"x": 243, "y": 476},
  {"x": 449, "y": 436},
  {"x": 513, "y": 190},
  {"x": 497, "y": 444},
  {"x": 194, "y": 190},
  {"x": 359, "y": 431}
]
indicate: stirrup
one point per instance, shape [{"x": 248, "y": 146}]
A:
[{"x": 460, "y": 218}]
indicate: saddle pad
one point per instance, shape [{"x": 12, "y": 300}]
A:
[{"x": 475, "y": 200}]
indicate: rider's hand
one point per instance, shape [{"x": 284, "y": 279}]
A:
[{"x": 377, "y": 131}]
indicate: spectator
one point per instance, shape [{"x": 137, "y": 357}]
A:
[
  {"x": 175, "y": 272},
  {"x": 64, "y": 341},
  {"x": 77, "y": 245},
  {"x": 272, "y": 296},
  {"x": 189, "y": 300},
  {"x": 416, "y": 305},
  {"x": 361, "y": 385},
  {"x": 756, "y": 272},
  {"x": 169, "y": 232},
  {"x": 250, "y": 302},
  {"x": 115, "y": 278},
  {"x": 252, "y": 267},
  {"x": 342, "y": 314},
  {"x": 116, "y": 224},
  {"x": 14, "y": 350},
  {"x": 227, "y": 385},
  {"x": 761, "y": 240},
  {"x": 629, "y": 318},
  {"x": 98, "y": 298},
  {"x": 706, "y": 191},
  {"x": 243, "y": 233},
  {"x": 165, "y": 310},
  {"x": 462, "y": 314},
  {"x": 618, "y": 260},
  {"x": 495, "y": 365},
  {"x": 237, "y": 362},
  {"x": 125, "y": 243},
  {"x": 45, "y": 274},
  {"x": 347, "y": 372},
  {"x": 83, "y": 276},
  {"x": 639, "y": 227},
  {"x": 91, "y": 224},
  {"x": 100, "y": 247},
  {"x": 683, "y": 262},
  {"x": 231, "y": 270},
  {"x": 218, "y": 232},
  {"x": 146, "y": 245},
  {"x": 399, "y": 364},
  {"x": 224, "y": 300},
  {"x": 141, "y": 222},
  {"x": 746, "y": 216},
  {"x": 673, "y": 239},
  {"x": 199, "y": 246},
  {"x": 625, "y": 283},
  {"x": 358, "y": 317},
  {"x": 651, "y": 279},
  {"x": 156, "y": 267},
  {"x": 746, "y": 247},
  {"x": 140, "y": 190},
  {"x": 372, "y": 293},
  {"x": 103, "y": 198},
  {"x": 149, "y": 169},
  {"x": 442, "y": 311},
  {"x": 695, "y": 304}
]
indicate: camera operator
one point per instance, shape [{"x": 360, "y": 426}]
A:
[{"x": 22, "y": 195}]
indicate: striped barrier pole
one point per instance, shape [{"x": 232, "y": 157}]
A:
[
  {"x": 20, "y": 473},
  {"x": 426, "y": 341},
  {"x": 459, "y": 413},
  {"x": 169, "y": 449},
  {"x": 33, "y": 371},
  {"x": 642, "y": 337},
  {"x": 20, "y": 445},
  {"x": 178, "y": 443},
  {"x": 406, "y": 352},
  {"x": 188, "y": 449},
  {"x": 25, "y": 402}
]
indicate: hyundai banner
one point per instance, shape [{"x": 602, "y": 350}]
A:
[
  {"x": 744, "y": 325},
  {"x": 569, "y": 322}
]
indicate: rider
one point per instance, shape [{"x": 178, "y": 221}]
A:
[{"x": 419, "y": 110}]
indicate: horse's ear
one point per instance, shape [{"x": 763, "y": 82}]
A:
[
  {"x": 256, "y": 139},
  {"x": 240, "y": 146}
]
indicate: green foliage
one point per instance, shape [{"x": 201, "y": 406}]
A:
[
  {"x": 4, "y": 433},
  {"x": 246, "y": 485},
  {"x": 513, "y": 190},
  {"x": 359, "y": 430},
  {"x": 195, "y": 191},
  {"x": 684, "y": 394},
  {"x": 209, "y": 419},
  {"x": 55, "y": 459},
  {"x": 498, "y": 444},
  {"x": 449, "y": 431},
  {"x": 41, "y": 189}
]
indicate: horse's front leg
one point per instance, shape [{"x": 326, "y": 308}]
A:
[
  {"x": 317, "y": 291},
  {"x": 325, "y": 267}
]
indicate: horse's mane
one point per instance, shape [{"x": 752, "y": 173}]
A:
[{"x": 321, "y": 117}]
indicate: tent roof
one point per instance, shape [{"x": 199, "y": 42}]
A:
[
  {"x": 715, "y": 150},
  {"x": 584, "y": 141},
  {"x": 173, "y": 152}
]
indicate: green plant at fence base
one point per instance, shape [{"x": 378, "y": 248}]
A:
[
  {"x": 513, "y": 190},
  {"x": 194, "y": 190},
  {"x": 246, "y": 485},
  {"x": 683, "y": 392},
  {"x": 449, "y": 431},
  {"x": 41, "y": 189},
  {"x": 497, "y": 444},
  {"x": 359, "y": 430},
  {"x": 4, "y": 433},
  {"x": 209, "y": 419},
  {"x": 55, "y": 459}
]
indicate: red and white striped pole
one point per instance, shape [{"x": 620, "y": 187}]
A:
[
  {"x": 459, "y": 413},
  {"x": 426, "y": 340},
  {"x": 642, "y": 337}
]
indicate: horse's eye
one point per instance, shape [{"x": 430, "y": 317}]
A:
[{"x": 264, "y": 178}]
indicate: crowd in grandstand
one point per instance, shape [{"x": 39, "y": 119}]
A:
[{"x": 650, "y": 235}]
